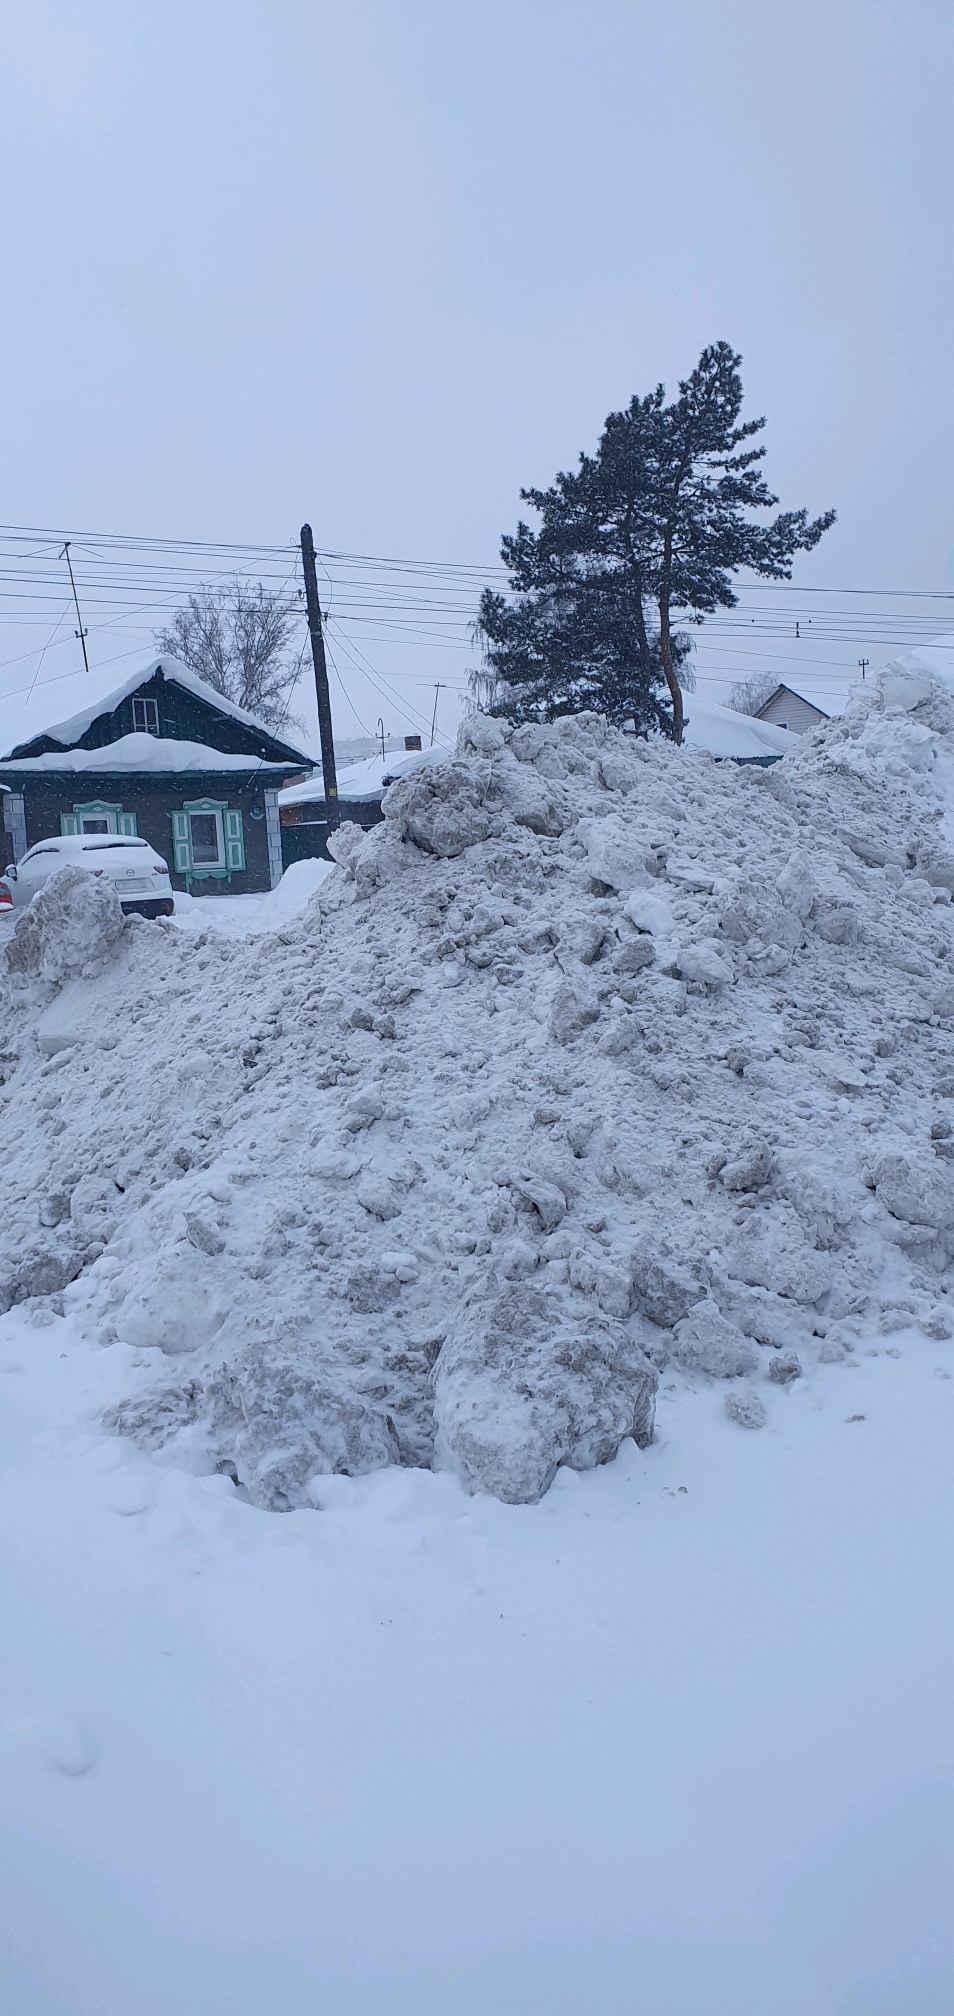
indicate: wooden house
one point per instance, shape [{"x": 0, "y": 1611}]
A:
[
  {"x": 786, "y": 709},
  {"x": 166, "y": 757}
]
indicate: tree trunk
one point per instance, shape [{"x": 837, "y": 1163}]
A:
[
  {"x": 641, "y": 638},
  {"x": 665, "y": 647},
  {"x": 642, "y": 641}
]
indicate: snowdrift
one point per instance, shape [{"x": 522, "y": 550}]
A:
[{"x": 595, "y": 1065}]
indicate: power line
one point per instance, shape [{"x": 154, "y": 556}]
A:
[{"x": 131, "y": 582}]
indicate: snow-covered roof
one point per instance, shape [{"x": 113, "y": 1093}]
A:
[
  {"x": 171, "y": 668},
  {"x": 143, "y": 752},
  {"x": 364, "y": 780},
  {"x": 723, "y": 732}
]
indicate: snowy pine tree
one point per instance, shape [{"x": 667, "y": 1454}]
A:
[{"x": 648, "y": 531}]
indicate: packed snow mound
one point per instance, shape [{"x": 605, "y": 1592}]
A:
[
  {"x": 597, "y": 1067},
  {"x": 68, "y": 928},
  {"x": 914, "y": 672}
]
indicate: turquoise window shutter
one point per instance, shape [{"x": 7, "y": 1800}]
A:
[
  {"x": 126, "y": 823},
  {"x": 181, "y": 842},
  {"x": 69, "y": 823},
  {"x": 234, "y": 840}
]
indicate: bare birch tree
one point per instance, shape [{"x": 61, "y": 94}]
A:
[{"x": 240, "y": 640}]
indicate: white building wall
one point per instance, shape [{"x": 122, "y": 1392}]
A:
[
  {"x": 14, "y": 826},
  {"x": 273, "y": 832},
  {"x": 789, "y": 710}
]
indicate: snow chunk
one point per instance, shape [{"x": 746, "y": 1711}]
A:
[
  {"x": 650, "y": 913},
  {"x": 282, "y": 1422},
  {"x": 665, "y": 1289},
  {"x": 784, "y": 1369},
  {"x": 773, "y": 1257},
  {"x": 913, "y": 1191},
  {"x": 746, "y": 1408},
  {"x": 754, "y": 910},
  {"x": 796, "y": 886},
  {"x": 482, "y": 734},
  {"x": 705, "y": 1342},
  {"x": 525, "y": 795},
  {"x": 443, "y": 810},
  {"x": 69, "y": 927},
  {"x": 376, "y": 1196},
  {"x": 39, "y": 1271},
  {"x": 703, "y": 963},
  {"x": 570, "y": 1012},
  {"x": 179, "y": 1305},
  {"x": 751, "y": 1170},
  {"x": 614, "y": 853},
  {"x": 521, "y": 1389},
  {"x": 904, "y": 689}
]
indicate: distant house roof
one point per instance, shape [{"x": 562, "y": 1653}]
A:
[
  {"x": 159, "y": 754},
  {"x": 788, "y": 692},
  {"x": 66, "y": 734},
  {"x": 365, "y": 780}
]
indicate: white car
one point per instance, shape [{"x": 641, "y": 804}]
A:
[{"x": 139, "y": 875}]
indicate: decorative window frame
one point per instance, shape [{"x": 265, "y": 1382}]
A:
[
  {"x": 231, "y": 839},
  {"x": 117, "y": 821}
]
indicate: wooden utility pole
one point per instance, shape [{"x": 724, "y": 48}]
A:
[
  {"x": 313, "y": 606},
  {"x": 864, "y": 663},
  {"x": 81, "y": 633},
  {"x": 437, "y": 695}
]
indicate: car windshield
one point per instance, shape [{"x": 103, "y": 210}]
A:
[
  {"x": 35, "y": 851},
  {"x": 96, "y": 846}
]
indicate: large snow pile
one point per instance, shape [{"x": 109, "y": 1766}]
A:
[{"x": 594, "y": 1062}]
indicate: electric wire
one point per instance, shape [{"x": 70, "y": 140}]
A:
[{"x": 131, "y": 582}]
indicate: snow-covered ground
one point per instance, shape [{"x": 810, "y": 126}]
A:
[
  {"x": 241, "y": 916},
  {"x": 592, "y": 1069},
  {"x": 677, "y": 1739}
]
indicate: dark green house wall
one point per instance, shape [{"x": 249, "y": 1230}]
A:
[
  {"x": 153, "y": 797},
  {"x": 305, "y": 827}
]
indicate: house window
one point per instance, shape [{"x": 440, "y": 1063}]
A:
[
  {"x": 145, "y": 717},
  {"x": 98, "y": 818},
  {"x": 208, "y": 840},
  {"x": 205, "y": 833}
]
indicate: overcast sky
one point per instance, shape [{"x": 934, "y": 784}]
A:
[{"x": 380, "y": 264}]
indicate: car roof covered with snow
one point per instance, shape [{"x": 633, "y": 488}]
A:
[{"x": 72, "y": 844}]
